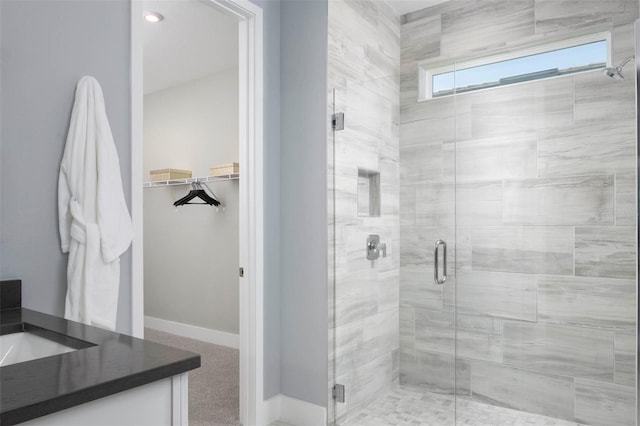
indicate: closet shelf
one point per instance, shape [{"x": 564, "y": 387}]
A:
[{"x": 188, "y": 181}]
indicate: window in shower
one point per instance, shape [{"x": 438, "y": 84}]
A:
[{"x": 551, "y": 60}]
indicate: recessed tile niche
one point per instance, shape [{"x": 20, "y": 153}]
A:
[{"x": 368, "y": 193}]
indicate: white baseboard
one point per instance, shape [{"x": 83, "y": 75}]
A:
[
  {"x": 294, "y": 411},
  {"x": 271, "y": 410},
  {"x": 194, "y": 332}
]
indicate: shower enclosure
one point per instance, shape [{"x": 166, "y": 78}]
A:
[{"x": 482, "y": 215}]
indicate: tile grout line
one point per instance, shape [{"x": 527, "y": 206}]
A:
[
  {"x": 614, "y": 356},
  {"x": 574, "y": 251},
  {"x": 615, "y": 199}
]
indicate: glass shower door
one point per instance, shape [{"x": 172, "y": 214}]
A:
[{"x": 545, "y": 257}]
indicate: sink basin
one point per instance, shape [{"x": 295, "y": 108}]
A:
[{"x": 25, "y": 346}]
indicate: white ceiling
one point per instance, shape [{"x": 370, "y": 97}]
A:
[
  {"x": 193, "y": 41},
  {"x": 406, "y": 6}
]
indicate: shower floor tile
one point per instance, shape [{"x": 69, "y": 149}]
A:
[{"x": 411, "y": 406}]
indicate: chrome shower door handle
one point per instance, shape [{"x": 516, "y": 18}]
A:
[{"x": 436, "y": 275}]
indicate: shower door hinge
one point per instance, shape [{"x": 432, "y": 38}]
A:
[
  {"x": 337, "y": 121},
  {"x": 338, "y": 393},
  {"x": 241, "y": 272}
]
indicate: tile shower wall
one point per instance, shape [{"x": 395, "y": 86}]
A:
[
  {"x": 364, "y": 60},
  {"x": 544, "y": 210}
]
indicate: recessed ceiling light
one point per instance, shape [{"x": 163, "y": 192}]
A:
[{"x": 154, "y": 17}]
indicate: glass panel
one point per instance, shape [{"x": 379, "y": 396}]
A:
[
  {"x": 366, "y": 269},
  {"x": 546, "y": 257},
  {"x": 392, "y": 326}
]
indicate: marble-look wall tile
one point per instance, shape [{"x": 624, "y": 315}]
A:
[
  {"x": 420, "y": 39},
  {"x": 354, "y": 298},
  {"x": 433, "y": 371},
  {"x": 364, "y": 73},
  {"x": 478, "y": 203},
  {"x": 500, "y": 157},
  {"x": 417, "y": 248},
  {"x": 409, "y": 86},
  {"x": 478, "y": 337},
  {"x": 389, "y": 190},
  {"x": 368, "y": 115},
  {"x": 463, "y": 377},
  {"x": 517, "y": 109},
  {"x": 520, "y": 389},
  {"x": 344, "y": 192},
  {"x": 498, "y": 294},
  {"x": 625, "y": 357},
  {"x": 626, "y": 198},
  {"x": 421, "y": 163},
  {"x": 427, "y": 12},
  {"x": 599, "y": 99},
  {"x": 435, "y": 331},
  {"x": 433, "y": 109},
  {"x": 555, "y": 15},
  {"x": 435, "y": 204},
  {"x": 606, "y": 251},
  {"x": 475, "y": 26},
  {"x": 366, "y": 382},
  {"x": 418, "y": 289},
  {"x": 591, "y": 302},
  {"x": 523, "y": 249},
  {"x": 407, "y": 329},
  {"x": 407, "y": 199},
  {"x": 380, "y": 333},
  {"x": 575, "y": 200},
  {"x": 588, "y": 148},
  {"x": 386, "y": 287},
  {"x": 569, "y": 351},
  {"x": 623, "y": 40},
  {"x": 463, "y": 248},
  {"x": 362, "y": 342},
  {"x": 604, "y": 404},
  {"x": 370, "y": 30},
  {"x": 428, "y": 131}
]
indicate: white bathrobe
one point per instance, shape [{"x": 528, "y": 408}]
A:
[{"x": 95, "y": 225}]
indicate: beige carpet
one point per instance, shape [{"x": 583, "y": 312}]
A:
[{"x": 214, "y": 387}]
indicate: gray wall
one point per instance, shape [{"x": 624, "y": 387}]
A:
[
  {"x": 191, "y": 253},
  {"x": 46, "y": 47},
  {"x": 303, "y": 174}
]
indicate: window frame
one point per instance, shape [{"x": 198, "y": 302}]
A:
[{"x": 427, "y": 69}]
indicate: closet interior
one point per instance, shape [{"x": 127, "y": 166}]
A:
[{"x": 191, "y": 194}]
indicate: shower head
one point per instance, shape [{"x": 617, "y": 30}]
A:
[
  {"x": 613, "y": 72},
  {"x": 616, "y": 72}
]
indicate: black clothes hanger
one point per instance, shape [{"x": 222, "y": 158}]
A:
[{"x": 197, "y": 192}]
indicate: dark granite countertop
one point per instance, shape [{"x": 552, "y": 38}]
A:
[{"x": 104, "y": 363}]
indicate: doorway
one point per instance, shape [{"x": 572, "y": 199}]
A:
[{"x": 240, "y": 191}]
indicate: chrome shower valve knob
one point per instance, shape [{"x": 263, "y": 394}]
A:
[{"x": 374, "y": 247}]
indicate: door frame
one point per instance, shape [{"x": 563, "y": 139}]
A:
[{"x": 251, "y": 224}]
